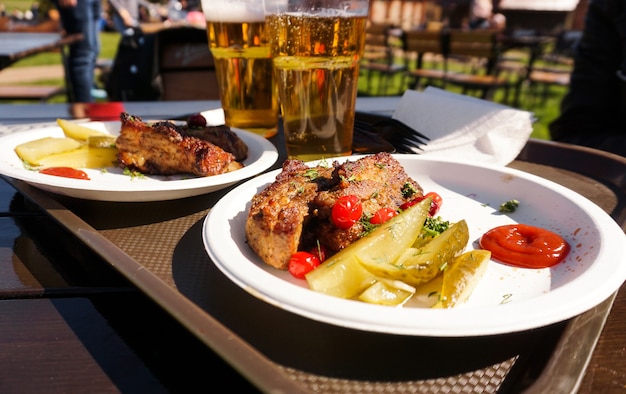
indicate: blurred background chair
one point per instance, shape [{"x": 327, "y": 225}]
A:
[
  {"x": 474, "y": 56},
  {"x": 185, "y": 64},
  {"x": 554, "y": 66},
  {"x": 429, "y": 47},
  {"x": 383, "y": 57}
]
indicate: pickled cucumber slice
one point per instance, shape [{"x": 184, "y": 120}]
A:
[
  {"x": 342, "y": 275},
  {"x": 461, "y": 276},
  {"x": 31, "y": 152},
  {"x": 420, "y": 265},
  {"x": 77, "y": 131},
  {"x": 101, "y": 141},
  {"x": 387, "y": 292},
  {"x": 83, "y": 157}
]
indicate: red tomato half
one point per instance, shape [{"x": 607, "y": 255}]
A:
[
  {"x": 346, "y": 211},
  {"x": 382, "y": 215},
  {"x": 435, "y": 202},
  {"x": 302, "y": 263},
  {"x": 526, "y": 246}
]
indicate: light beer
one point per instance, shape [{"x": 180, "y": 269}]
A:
[
  {"x": 316, "y": 67},
  {"x": 244, "y": 73}
]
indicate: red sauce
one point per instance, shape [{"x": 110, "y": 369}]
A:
[
  {"x": 525, "y": 246},
  {"x": 67, "y": 172}
]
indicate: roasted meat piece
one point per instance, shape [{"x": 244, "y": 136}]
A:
[
  {"x": 294, "y": 212},
  {"x": 161, "y": 149},
  {"x": 223, "y": 137},
  {"x": 278, "y": 213},
  {"x": 378, "y": 180}
]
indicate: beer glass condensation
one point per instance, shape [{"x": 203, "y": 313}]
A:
[
  {"x": 316, "y": 48},
  {"x": 238, "y": 41}
]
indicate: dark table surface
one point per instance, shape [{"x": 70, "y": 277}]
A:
[{"x": 73, "y": 319}]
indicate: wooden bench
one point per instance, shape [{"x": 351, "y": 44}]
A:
[{"x": 42, "y": 93}]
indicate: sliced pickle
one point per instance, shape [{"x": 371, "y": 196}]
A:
[
  {"x": 387, "y": 292},
  {"x": 420, "y": 265},
  {"x": 461, "y": 276},
  {"x": 77, "y": 131},
  {"x": 32, "y": 152},
  {"x": 342, "y": 275},
  {"x": 83, "y": 157},
  {"x": 101, "y": 141}
]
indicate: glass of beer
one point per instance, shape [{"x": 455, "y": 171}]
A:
[
  {"x": 238, "y": 41},
  {"x": 316, "y": 47}
]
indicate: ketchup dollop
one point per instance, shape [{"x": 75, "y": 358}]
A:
[
  {"x": 525, "y": 246},
  {"x": 67, "y": 172}
]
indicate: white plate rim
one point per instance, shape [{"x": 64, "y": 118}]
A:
[
  {"x": 523, "y": 315},
  {"x": 262, "y": 155}
]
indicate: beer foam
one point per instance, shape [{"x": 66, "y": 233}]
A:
[{"x": 225, "y": 11}]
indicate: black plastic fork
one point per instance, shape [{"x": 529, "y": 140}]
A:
[{"x": 378, "y": 133}]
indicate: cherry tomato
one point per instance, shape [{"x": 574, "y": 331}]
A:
[
  {"x": 302, "y": 263},
  {"x": 526, "y": 246},
  {"x": 346, "y": 211},
  {"x": 382, "y": 215},
  {"x": 196, "y": 121},
  {"x": 435, "y": 203},
  {"x": 66, "y": 172},
  {"x": 320, "y": 252}
]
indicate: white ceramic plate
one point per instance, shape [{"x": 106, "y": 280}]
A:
[
  {"x": 112, "y": 185},
  {"x": 507, "y": 299}
]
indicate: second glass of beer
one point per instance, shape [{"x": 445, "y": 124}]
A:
[
  {"x": 316, "y": 48},
  {"x": 238, "y": 42}
]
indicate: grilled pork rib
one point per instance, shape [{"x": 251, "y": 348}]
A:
[
  {"x": 294, "y": 212},
  {"x": 162, "y": 149}
]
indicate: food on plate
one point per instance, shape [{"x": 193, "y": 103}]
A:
[
  {"x": 221, "y": 136},
  {"x": 524, "y": 245},
  {"x": 295, "y": 212},
  {"x": 362, "y": 230},
  {"x": 84, "y": 156},
  {"x": 160, "y": 148},
  {"x": 343, "y": 274},
  {"x": 32, "y": 152},
  {"x": 416, "y": 265},
  {"x": 77, "y": 131},
  {"x": 163, "y": 148},
  {"x": 461, "y": 276}
]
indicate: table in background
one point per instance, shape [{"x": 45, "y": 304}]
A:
[
  {"x": 71, "y": 322},
  {"x": 18, "y": 46}
]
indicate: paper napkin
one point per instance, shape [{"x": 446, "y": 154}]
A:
[{"x": 465, "y": 128}]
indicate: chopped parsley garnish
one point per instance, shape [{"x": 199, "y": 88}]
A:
[
  {"x": 435, "y": 226},
  {"x": 408, "y": 190},
  {"x": 509, "y": 206},
  {"x": 312, "y": 174}
]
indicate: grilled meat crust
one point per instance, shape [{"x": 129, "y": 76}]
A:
[
  {"x": 223, "y": 137},
  {"x": 294, "y": 212},
  {"x": 278, "y": 213},
  {"x": 378, "y": 180},
  {"x": 161, "y": 149}
]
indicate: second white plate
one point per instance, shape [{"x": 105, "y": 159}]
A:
[{"x": 113, "y": 185}]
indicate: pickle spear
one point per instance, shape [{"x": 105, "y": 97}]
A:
[
  {"x": 342, "y": 275},
  {"x": 420, "y": 265}
]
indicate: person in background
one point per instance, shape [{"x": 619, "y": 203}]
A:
[
  {"x": 480, "y": 14},
  {"x": 81, "y": 16},
  {"x": 593, "y": 112},
  {"x": 126, "y": 14}
]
